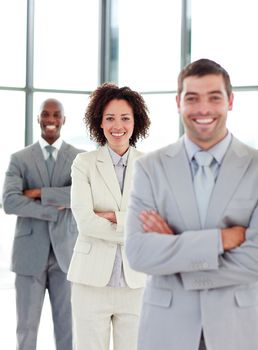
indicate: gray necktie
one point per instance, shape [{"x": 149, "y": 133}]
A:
[
  {"x": 50, "y": 161},
  {"x": 203, "y": 183},
  {"x": 117, "y": 276},
  {"x": 120, "y": 169}
]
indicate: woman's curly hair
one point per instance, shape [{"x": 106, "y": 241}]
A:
[{"x": 98, "y": 101}]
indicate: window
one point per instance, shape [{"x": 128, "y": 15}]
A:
[
  {"x": 244, "y": 116},
  {"x": 149, "y": 44},
  {"x": 12, "y": 131},
  {"x": 13, "y": 42},
  {"x": 70, "y": 55},
  {"x": 164, "y": 127},
  {"x": 11, "y": 140},
  {"x": 226, "y": 31},
  {"x": 149, "y": 62},
  {"x": 66, "y": 44}
]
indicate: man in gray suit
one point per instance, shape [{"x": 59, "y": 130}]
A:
[
  {"x": 202, "y": 261},
  {"x": 37, "y": 190}
]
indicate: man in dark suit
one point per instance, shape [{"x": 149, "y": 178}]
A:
[{"x": 37, "y": 190}]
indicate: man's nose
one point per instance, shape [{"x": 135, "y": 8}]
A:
[
  {"x": 50, "y": 118},
  {"x": 204, "y": 107}
]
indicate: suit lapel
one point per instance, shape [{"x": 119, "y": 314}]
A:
[
  {"x": 179, "y": 178},
  {"x": 234, "y": 166},
  {"x": 107, "y": 172},
  {"x": 39, "y": 160}
]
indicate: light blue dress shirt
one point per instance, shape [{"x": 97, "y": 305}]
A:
[{"x": 218, "y": 152}]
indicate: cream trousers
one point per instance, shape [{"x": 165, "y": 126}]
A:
[{"x": 94, "y": 309}]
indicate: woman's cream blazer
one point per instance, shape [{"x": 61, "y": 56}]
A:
[{"x": 95, "y": 188}]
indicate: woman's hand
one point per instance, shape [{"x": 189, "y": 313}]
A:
[{"x": 109, "y": 215}]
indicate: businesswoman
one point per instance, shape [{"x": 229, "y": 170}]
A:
[{"x": 105, "y": 290}]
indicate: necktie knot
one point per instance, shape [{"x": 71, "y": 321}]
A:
[
  {"x": 50, "y": 149},
  {"x": 120, "y": 163},
  {"x": 203, "y": 158}
]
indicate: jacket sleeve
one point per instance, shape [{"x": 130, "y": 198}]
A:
[
  {"x": 14, "y": 202},
  {"x": 236, "y": 266},
  {"x": 120, "y": 219},
  {"x": 82, "y": 199},
  {"x": 56, "y": 196}
]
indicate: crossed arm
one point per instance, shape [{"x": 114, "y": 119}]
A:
[
  {"x": 35, "y": 193},
  {"x": 222, "y": 256},
  {"x": 231, "y": 237}
]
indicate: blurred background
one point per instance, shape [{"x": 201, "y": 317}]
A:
[{"x": 66, "y": 48}]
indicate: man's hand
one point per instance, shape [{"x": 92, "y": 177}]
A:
[
  {"x": 61, "y": 208},
  {"x": 233, "y": 237},
  {"x": 33, "y": 193},
  {"x": 109, "y": 215},
  {"x": 153, "y": 222}
]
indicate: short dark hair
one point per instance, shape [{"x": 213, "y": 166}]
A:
[
  {"x": 98, "y": 101},
  {"x": 201, "y": 68}
]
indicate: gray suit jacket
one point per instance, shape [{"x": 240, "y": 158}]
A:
[
  {"x": 39, "y": 222},
  {"x": 191, "y": 286}
]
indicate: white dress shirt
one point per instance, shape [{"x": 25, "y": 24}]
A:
[{"x": 57, "y": 145}]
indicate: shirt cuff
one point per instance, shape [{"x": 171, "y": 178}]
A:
[{"x": 221, "y": 249}]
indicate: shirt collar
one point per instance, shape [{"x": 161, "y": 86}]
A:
[
  {"x": 57, "y": 144},
  {"x": 218, "y": 151},
  {"x": 116, "y": 157}
]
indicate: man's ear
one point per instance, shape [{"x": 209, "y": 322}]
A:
[
  {"x": 178, "y": 102},
  {"x": 230, "y": 101}
]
